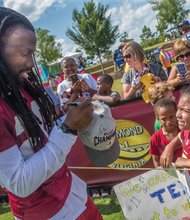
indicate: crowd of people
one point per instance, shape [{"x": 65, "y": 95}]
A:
[{"x": 39, "y": 125}]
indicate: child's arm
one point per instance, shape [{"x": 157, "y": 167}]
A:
[
  {"x": 167, "y": 156},
  {"x": 110, "y": 100},
  {"x": 156, "y": 160},
  {"x": 182, "y": 162}
]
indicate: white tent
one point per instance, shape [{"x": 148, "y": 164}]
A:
[{"x": 73, "y": 54}]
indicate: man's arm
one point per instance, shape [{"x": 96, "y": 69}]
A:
[
  {"x": 110, "y": 100},
  {"x": 22, "y": 177}
]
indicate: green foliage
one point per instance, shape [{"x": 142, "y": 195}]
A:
[
  {"x": 109, "y": 208},
  {"x": 169, "y": 13},
  {"x": 5, "y": 213},
  {"x": 92, "y": 29},
  {"x": 124, "y": 37},
  {"x": 48, "y": 50},
  {"x": 147, "y": 38},
  {"x": 78, "y": 50}
]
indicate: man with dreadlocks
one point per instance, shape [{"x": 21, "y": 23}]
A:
[{"x": 32, "y": 147}]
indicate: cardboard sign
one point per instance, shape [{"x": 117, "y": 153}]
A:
[{"x": 154, "y": 195}]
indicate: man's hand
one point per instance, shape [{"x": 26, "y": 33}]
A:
[{"x": 78, "y": 117}]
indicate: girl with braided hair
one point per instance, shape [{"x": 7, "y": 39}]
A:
[{"x": 33, "y": 148}]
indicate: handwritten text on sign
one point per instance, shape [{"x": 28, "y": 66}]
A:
[{"x": 154, "y": 195}]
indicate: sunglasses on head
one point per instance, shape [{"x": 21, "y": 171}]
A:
[
  {"x": 127, "y": 56},
  {"x": 182, "y": 56}
]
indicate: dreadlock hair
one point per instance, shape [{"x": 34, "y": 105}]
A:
[{"x": 9, "y": 90}]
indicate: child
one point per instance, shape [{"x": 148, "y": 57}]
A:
[
  {"x": 158, "y": 91},
  {"x": 183, "y": 117},
  {"x": 105, "y": 94},
  {"x": 165, "y": 111}
]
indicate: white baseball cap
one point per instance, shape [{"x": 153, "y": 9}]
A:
[{"x": 99, "y": 138}]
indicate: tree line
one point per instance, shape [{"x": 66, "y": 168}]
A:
[{"x": 92, "y": 30}]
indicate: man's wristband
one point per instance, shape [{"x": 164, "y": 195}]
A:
[{"x": 65, "y": 128}]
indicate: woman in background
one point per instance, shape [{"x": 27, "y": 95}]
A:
[
  {"x": 134, "y": 56},
  {"x": 182, "y": 54}
]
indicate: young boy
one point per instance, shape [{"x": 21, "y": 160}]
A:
[
  {"x": 158, "y": 91},
  {"x": 183, "y": 117},
  {"x": 105, "y": 93},
  {"x": 165, "y": 111}
]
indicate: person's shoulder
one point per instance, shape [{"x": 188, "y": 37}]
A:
[
  {"x": 88, "y": 77},
  {"x": 130, "y": 71},
  {"x": 157, "y": 69},
  {"x": 154, "y": 66},
  {"x": 185, "y": 132},
  {"x": 127, "y": 76},
  {"x": 84, "y": 75},
  {"x": 160, "y": 56},
  {"x": 157, "y": 134},
  {"x": 64, "y": 85},
  {"x": 4, "y": 108},
  {"x": 48, "y": 89},
  {"x": 115, "y": 93},
  {"x": 64, "y": 82}
]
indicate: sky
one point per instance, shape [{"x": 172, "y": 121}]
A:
[{"x": 56, "y": 16}]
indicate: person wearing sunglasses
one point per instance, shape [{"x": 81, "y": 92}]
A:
[
  {"x": 134, "y": 56},
  {"x": 182, "y": 55},
  {"x": 184, "y": 26}
]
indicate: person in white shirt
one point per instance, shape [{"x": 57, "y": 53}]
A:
[{"x": 85, "y": 85}]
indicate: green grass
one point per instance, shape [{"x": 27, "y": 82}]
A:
[
  {"x": 117, "y": 86},
  {"x": 108, "y": 206},
  {"x": 5, "y": 213}
]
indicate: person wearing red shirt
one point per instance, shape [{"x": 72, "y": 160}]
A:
[{"x": 165, "y": 111}]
